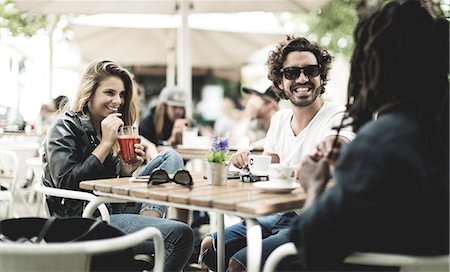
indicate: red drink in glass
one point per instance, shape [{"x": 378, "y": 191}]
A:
[{"x": 127, "y": 138}]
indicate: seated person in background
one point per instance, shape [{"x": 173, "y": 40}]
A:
[
  {"x": 60, "y": 104},
  {"x": 298, "y": 69},
  {"x": 254, "y": 120},
  {"x": 165, "y": 124},
  {"x": 166, "y": 121},
  {"x": 82, "y": 144},
  {"x": 227, "y": 119},
  {"x": 391, "y": 191}
]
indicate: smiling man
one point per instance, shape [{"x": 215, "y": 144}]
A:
[{"x": 298, "y": 70}]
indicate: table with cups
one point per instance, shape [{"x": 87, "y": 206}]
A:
[{"x": 234, "y": 198}]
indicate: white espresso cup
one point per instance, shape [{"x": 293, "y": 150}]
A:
[
  {"x": 281, "y": 174},
  {"x": 259, "y": 164}
]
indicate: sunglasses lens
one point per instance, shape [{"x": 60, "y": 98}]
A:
[
  {"x": 311, "y": 70},
  {"x": 291, "y": 73},
  {"x": 183, "y": 177},
  {"x": 159, "y": 177}
]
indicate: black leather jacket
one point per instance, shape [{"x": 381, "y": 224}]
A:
[{"x": 67, "y": 160}]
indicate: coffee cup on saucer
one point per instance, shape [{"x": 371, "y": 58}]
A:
[
  {"x": 259, "y": 164},
  {"x": 281, "y": 174}
]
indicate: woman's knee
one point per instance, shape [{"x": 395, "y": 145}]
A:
[{"x": 175, "y": 159}]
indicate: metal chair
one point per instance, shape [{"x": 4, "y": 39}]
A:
[
  {"x": 406, "y": 263},
  {"x": 74, "y": 256},
  {"x": 9, "y": 167},
  {"x": 72, "y": 194}
]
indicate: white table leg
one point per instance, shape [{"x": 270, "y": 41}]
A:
[
  {"x": 254, "y": 245},
  {"x": 220, "y": 243}
]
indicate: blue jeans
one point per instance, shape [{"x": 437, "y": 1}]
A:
[
  {"x": 178, "y": 237},
  {"x": 275, "y": 232},
  {"x": 168, "y": 160}
]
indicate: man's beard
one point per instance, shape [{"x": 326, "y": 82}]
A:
[{"x": 308, "y": 101}]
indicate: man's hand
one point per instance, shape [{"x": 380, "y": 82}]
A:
[
  {"x": 254, "y": 104},
  {"x": 240, "y": 159}
]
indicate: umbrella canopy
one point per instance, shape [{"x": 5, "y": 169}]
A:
[
  {"x": 141, "y": 39},
  {"x": 181, "y": 7},
  {"x": 163, "y": 6}
]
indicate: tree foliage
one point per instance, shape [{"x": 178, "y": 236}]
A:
[
  {"x": 17, "y": 23},
  {"x": 334, "y": 23}
]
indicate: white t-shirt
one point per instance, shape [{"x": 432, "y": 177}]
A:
[{"x": 292, "y": 149}]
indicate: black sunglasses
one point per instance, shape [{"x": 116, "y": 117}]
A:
[
  {"x": 181, "y": 177},
  {"x": 292, "y": 73}
]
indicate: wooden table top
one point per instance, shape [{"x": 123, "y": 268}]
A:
[
  {"x": 234, "y": 197},
  {"x": 199, "y": 153}
]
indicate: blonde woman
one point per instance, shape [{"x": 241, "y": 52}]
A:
[{"x": 82, "y": 144}]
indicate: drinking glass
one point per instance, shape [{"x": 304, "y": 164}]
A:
[{"x": 127, "y": 137}]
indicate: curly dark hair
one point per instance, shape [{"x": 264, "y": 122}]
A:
[
  {"x": 293, "y": 44},
  {"x": 401, "y": 62}
]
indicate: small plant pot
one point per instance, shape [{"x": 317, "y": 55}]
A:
[{"x": 216, "y": 173}]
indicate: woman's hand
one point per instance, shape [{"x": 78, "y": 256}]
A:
[
  {"x": 177, "y": 131},
  {"x": 313, "y": 176},
  {"x": 110, "y": 125},
  {"x": 325, "y": 149},
  {"x": 128, "y": 169}
]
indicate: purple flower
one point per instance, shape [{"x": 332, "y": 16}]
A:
[
  {"x": 219, "y": 150},
  {"x": 219, "y": 145}
]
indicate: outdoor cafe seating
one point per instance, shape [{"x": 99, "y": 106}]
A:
[{"x": 406, "y": 263}]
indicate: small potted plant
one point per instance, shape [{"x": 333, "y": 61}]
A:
[{"x": 217, "y": 162}]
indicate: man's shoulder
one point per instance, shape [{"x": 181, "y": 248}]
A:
[
  {"x": 333, "y": 107},
  {"x": 283, "y": 113}
]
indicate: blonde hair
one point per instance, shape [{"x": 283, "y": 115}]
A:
[{"x": 95, "y": 73}]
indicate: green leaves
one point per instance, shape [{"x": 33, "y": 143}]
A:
[
  {"x": 219, "y": 150},
  {"x": 17, "y": 23},
  {"x": 217, "y": 156}
]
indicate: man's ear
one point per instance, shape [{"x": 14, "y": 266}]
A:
[{"x": 280, "y": 86}]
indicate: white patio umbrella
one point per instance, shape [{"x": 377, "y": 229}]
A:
[
  {"x": 180, "y": 7},
  {"x": 164, "y": 6},
  {"x": 150, "y": 39},
  {"x": 147, "y": 39}
]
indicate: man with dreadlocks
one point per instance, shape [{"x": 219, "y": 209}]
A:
[
  {"x": 298, "y": 69},
  {"x": 392, "y": 182}
]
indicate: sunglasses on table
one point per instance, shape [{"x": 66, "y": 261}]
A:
[
  {"x": 181, "y": 177},
  {"x": 292, "y": 73}
]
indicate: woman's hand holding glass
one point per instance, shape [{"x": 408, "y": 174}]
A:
[{"x": 127, "y": 169}]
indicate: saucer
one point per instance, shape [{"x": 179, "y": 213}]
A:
[
  {"x": 259, "y": 173},
  {"x": 273, "y": 187}
]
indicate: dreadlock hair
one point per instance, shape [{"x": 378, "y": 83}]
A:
[
  {"x": 296, "y": 44},
  {"x": 400, "y": 63}
]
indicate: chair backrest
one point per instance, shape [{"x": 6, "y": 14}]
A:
[
  {"x": 74, "y": 256},
  {"x": 406, "y": 263},
  {"x": 23, "y": 150},
  {"x": 72, "y": 194},
  {"x": 9, "y": 166}
]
